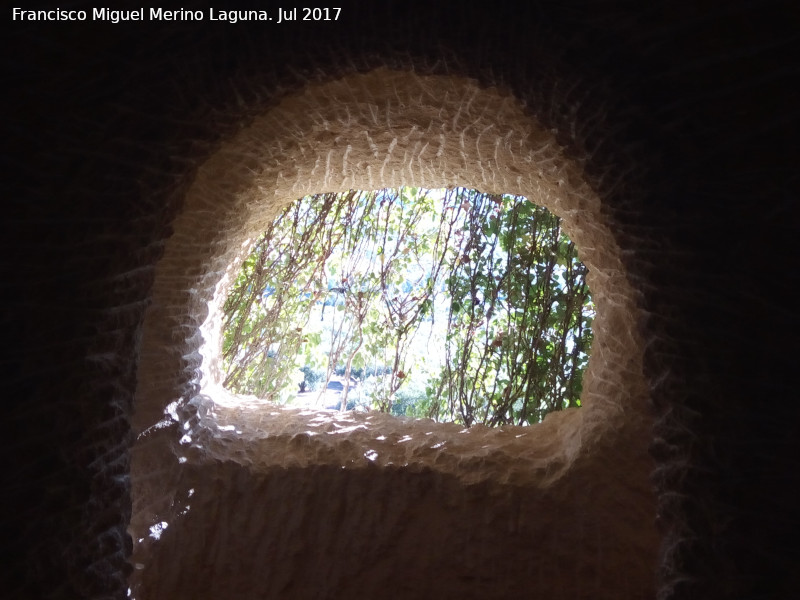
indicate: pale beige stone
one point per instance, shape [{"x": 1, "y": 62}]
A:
[{"x": 289, "y": 504}]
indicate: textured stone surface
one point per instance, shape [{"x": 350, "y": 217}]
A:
[
  {"x": 304, "y": 504},
  {"x": 382, "y": 129},
  {"x": 673, "y": 125},
  {"x": 387, "y": 128}
]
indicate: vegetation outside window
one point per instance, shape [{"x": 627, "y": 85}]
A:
[{"x": 449, "y": 304}]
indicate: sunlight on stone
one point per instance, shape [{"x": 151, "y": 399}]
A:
[{"x": 157, "y": 529}]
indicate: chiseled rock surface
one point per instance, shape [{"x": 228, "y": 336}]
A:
[
  {"x": 302, "y": 504},
  {"x": 294, "y": 503},
  {"x": 130, "y": 185},
  {"x": 260, "y": 436}
]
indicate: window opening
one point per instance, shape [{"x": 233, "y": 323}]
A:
[{"x": 449, "y": 304}]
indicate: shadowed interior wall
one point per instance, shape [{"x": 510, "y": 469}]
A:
[
  {"x": 678, "y": 121},
  {"x": 385, "y": 128}
]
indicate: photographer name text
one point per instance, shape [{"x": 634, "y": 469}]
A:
[{"x": 277, "y": 16}]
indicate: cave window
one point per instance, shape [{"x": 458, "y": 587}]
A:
[{"x": 450, "y": 304}]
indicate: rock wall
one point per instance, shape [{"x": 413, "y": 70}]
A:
[
  {"x": 380, "y": 129},
  {"x": 303, "y": 504},
  {"x": 141, "y": 156}
]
